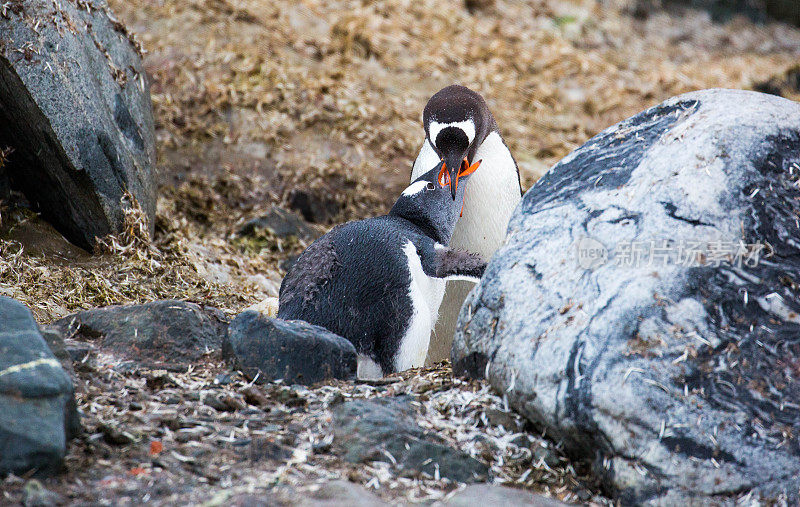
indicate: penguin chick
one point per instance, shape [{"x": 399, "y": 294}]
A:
[
  {"x": 459, "y": 126},
  {"x": 379, "y": 282}
]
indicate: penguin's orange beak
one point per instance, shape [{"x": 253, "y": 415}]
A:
[{"x": 465, "y": 170}]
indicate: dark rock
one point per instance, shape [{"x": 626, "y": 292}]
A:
[
  {"x": 76, "y": 110},
  {"x": 282, "y": 224},
  {"x": 315, "y": 208},
  {"x": 65, "y": 356},
  {"x": 224, "y": 402},
  {"x": 495, "y": 495},
  {"x": 287, "y": 263},
  {"x": 677, "y": 372},
  {"x": 266, "y": 449},
  {"x": 720, "y": 10},
  {"x": 758, "y": 11},
  {"x": 477, "y": 6},
  {"x": 546, "y": 455},
  {"x": 158, "y": 334},
  {"x": 295, "y": 351},
  {"x": 784, "y": 10},
  {"x": 785, "y": 85},
  {"x": 384, "y": 429},
  {"x": 255, "y": 396},
  {"x": 37, "y": 406},
  {"x": 116, "y": 435}
]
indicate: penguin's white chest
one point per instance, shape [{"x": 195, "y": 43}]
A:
[
  {"x": 426, "y": 295},
  {"x": 492, "y": 195}
]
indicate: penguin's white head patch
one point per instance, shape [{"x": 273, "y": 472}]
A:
[
  {"x": 415, "y": 188},
  {"x": 467, "y": 126}
]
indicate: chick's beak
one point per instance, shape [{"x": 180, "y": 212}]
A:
[{"x": 453, "y": 165}]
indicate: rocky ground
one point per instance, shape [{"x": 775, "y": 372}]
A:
[{"x": 315, "y": 107}]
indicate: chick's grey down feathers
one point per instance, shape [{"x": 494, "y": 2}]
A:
[{"x": 459, "y": 263}]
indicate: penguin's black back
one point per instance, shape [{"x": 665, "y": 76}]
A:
[{"x": 354, "y": 281}]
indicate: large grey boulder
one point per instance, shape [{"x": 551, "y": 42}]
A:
[
  {"x": 76, "y": 110},
  {"x": 679, "y": 373},
  {"x": 37, "y": 404}
]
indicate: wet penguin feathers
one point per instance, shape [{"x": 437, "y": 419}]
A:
[{"x": 379, "y": 282}]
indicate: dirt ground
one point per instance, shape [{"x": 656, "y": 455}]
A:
[{"x": 255, "y": 99}]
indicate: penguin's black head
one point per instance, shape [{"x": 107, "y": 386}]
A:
[
  {"x": 429, "y": 204},
  {"x": 456, "y": 120}
]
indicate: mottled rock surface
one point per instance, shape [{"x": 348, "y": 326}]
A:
[
  {"x": 295, "y": 351},
  {"x": 37, "y": 404},
  {"x": 385, "y": 430},
  {"x": 76, "y": 110},
  {"x": 645, "y": 309},
  {"x": 166, "y": 333}
]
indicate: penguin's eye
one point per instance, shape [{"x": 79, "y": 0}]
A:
[{"x": 430, "y": 186}]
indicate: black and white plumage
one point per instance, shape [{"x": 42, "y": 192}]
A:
[
  {"x": 379, "y": 282},
  {"x": 458, "y": 125}
]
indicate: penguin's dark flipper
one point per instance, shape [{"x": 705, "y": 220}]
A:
[{"x": 459, "y": 265}]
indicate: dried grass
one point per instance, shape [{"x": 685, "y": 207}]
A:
[
  {"x": 129, "y": 268},
  {"x": 357, "y": 74}
]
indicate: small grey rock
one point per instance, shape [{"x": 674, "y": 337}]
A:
[
  {"x": 294, "y": 351},
  {"x": 315, "y": 206},
  {"x": 282, "y": 224},
  {"x": 336, "y": 493},
  {"x": 495, "y": 495},
  {"x": 384, "y": 429}
]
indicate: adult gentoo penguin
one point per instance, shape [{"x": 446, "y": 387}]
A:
[
  {"x": 459, "y": 127},
  {"x": 379, "y": 282}
]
